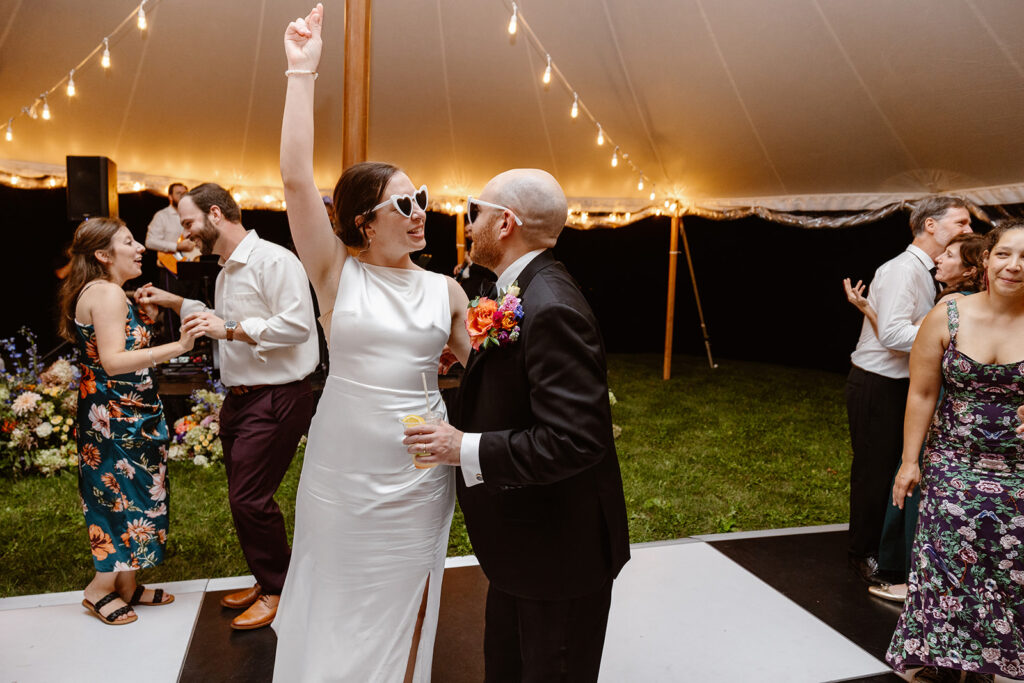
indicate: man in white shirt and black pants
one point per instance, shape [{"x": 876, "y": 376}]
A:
[
  {"x": 263, "y": 319},
  {"x": 901, "y": 292}
]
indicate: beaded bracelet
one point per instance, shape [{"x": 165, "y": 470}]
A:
[{"x": 302, "y": 72}]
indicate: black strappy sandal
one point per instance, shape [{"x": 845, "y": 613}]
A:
[
  {"x": 112, "y": 618},
  {"x": 158, "y": 597}
]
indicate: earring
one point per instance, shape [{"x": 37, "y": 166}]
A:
[{"x": 369, "y": 241}]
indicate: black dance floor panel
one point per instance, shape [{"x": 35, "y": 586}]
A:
[
  {"x": 219, "y": 653},
  {"x": 811, "y": 570}
]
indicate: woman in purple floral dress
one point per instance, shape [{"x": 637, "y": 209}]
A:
[{"x": 965, "y": 603}]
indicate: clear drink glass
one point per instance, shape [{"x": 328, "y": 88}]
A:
[{"x": 431, "y": 417}]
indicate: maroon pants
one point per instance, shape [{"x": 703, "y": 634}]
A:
[{"x": 260, "y": 431}]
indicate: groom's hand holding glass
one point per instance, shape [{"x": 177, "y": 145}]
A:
[{"x": 434, "y": 444}]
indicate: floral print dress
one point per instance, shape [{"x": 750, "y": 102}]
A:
[
  {"x": 965, "y": 599},
  {"x": 122, "y": 456}
]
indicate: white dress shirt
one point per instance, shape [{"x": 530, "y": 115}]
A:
[
  {"x": 263, "y": 287},
  {"x": 164, "y": 230},
  {"x": 469, "y": 452},
  {"x": 902, "y": 292}
]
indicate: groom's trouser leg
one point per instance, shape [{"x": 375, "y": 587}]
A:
[
  {"x": 536, "y": 641},
  {"x": 260, "y": 431}
]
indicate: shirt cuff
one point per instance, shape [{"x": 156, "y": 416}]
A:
[
  {"x": 469, "y": 455},
  {"x": 190, "y": 306},
  {"x": 254, "y": 327}
]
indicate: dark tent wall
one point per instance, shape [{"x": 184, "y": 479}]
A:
[{"x": 770, "y": 292}]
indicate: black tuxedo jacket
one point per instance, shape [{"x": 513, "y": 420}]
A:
[{"x": 549, "y": 520}]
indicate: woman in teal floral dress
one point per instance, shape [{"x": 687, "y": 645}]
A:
[
  {"x": 965, "y": 602},
  {"x": 122, "y": 461}
]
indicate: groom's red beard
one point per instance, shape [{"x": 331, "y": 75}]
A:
[
  {"x": 207, "y": 236},
  {"x": 484, "y": 250}
]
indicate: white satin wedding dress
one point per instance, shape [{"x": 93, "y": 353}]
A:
[{"x": 370, "y": 529}]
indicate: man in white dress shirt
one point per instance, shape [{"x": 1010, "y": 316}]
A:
[
  {"x": 901, "y": 292},
  {"x": 164, "y": 236},
  {"x": 263, "y": 319}
]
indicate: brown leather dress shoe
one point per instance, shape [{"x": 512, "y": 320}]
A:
[
  {"x": 259, "y": 614},
  {"x": 241, "y": 599}
]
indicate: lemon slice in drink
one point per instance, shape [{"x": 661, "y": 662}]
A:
[{"x": 412, "y": 420}]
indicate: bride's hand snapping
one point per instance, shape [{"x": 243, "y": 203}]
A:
[{"x": 302, "y": 44}]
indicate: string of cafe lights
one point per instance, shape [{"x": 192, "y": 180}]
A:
[
  {"x": 516, "y": 23},
  {"x": 40, "y": 106}
]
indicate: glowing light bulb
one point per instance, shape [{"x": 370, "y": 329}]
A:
[
  {"x": 628, "y": 215},
  {"x": 673, "y": 207},
  {"x": 547, "y": 73},
  {"x": 513, "y": 23},
  {"x": 458, "y": 208},
  {"x": 9, "y": 135},
  {"x": 640, "y": 184},
  {"x": 583, "y": 216},
  {"x": 15, "y": 180},
  {"x": 71, "y": 84},
  {"x": 52, "y": 182},
  {"x": 237, "y": 196},
  {"x": 447, "y": 206},
  {"x": 575, "y": 111},
  {"x": 600, "y": 136},
  {"x": 105, "y": 60},
  {"x": 136, "y": 186},
  {"x": 666, "y": 203},
  {"x": 652, "y": 195},
  {"x": 142, "y": 18},
  {"x": 267, "y": 198},
  {"x": 615, "y": 157},
  {"x": 46, "y": 109}
]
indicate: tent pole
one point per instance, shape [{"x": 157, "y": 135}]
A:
[
  {"x": 696, "y": 296},
  {"x": 460, "y": 237},
  {"x": 670, "y": 312},
  {"x": 356, "y": 89}
]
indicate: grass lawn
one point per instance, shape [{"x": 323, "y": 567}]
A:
[{"x": 746, "y": 446}]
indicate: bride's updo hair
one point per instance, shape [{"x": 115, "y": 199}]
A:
[
  {"x": 359, "y": 189},
  {"x": 91, "y": 236}
]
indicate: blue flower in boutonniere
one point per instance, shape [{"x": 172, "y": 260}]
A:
[{"x": 495, "y": 323}]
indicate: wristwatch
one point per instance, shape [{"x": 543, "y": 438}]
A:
[{"x": 229, "y": 329}]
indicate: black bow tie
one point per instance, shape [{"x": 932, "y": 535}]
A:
[{"x": 489, "y": 289}]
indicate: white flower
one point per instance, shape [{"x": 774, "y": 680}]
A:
[
  {"x": 44, "y": 430},
  {"x": 125, "y": 467},
  {"x": 100, "y": 419},
  {"x": 1017, "y": 576},
  {"x": 158, "y": 491},
  {"x": 157, "y": 511},
  {"x": 48, "y": 460},
  {"x": 1018, "y": 521},
  {"x": 1005, "y": 564},
  {"x": 1002, "y": 626},
  {"x": 177, "y": 452},
  {"x": 123, "y": 567},
  {"x": 1009, "y": 541},
  {"x": 955, "y": 510},
  {"x": 201, "y": 460},
  {"x": 25, "y": 403},
  {"x": 910, "y": 647},
  {"x": 967, "y": 532}
]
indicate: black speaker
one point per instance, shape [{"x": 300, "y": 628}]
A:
[{"x": 92, "y": 188}]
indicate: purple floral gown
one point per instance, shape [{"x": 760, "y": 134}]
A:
[{"x": 965, "y": 599}]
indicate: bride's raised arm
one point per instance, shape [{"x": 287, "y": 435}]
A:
[{"x": 321, "y": 252}]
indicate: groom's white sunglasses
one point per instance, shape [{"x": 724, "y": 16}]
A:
[
  {"x": 403, "y": 202},
  {"x": 473, "y": 209}
]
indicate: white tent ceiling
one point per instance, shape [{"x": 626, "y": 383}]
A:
[{"x": 790, "y": 104}]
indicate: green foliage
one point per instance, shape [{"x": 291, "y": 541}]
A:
[{"x": 746, "y": 446}]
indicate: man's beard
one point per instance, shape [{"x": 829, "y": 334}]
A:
[
  {"x": 207, "y": 236},
  {"x": 484, "y": 250}
]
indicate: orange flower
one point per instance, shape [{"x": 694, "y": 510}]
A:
[
  {"x": 91, "y": 350},
  {"x": 90, "y": 455},
  {"x": 126, "y": 539},
  {"x": 110, "y": 481},
  {"x": 100, "y": 542},
  {"x": 87, "y": 385},
  {"x": 480, "y": 320},
  {"x": 508, "y": 320}
]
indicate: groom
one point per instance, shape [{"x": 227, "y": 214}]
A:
[{"x": 540, "y": 485}]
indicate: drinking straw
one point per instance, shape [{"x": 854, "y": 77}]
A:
[{"x": 426, "y": 392}]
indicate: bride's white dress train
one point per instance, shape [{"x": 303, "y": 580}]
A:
[{"x": 370, "y": 529}]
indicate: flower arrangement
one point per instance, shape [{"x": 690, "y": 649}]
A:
[
  {"x": 37, "y": 410},
  {"x": 197, "y": 435},
  {"x": 491, "y": 323}
]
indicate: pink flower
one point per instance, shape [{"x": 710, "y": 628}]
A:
[
  {"x": 158, "y": 491},
  {"x": 968, "y": 555},
  {"x": 25, "y": 403},
  {"x": 1002, "y": 626},
  {"x": 989, "y": 487},
  {"x": 141, "y": 530},
  {"x": 100, "y": 419}
]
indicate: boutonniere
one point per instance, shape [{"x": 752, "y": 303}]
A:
[{"x": 494, "y": 323}]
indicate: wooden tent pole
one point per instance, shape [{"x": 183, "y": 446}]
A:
[
  {"x": 670, "y": 311},
  {"x": 696, "y": 296},
  {"x": 460, "y": 237},
  {"x": 356, "y": 91}
]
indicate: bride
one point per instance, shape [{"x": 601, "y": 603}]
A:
[{"x": 371, "y": 530}]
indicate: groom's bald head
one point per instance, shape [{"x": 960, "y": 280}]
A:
[{"x": 536, "y": 198}]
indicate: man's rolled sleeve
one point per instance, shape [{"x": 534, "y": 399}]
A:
[
  {"x": 287, "y": 291},
  {"x": 896, "y": 328}
]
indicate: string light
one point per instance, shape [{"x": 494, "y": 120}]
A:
[
  {"x": 71, "y": 84},
  {"x": 513, "y": 23},
  {"x": 105, "y": 60},
  {"x": 600, "y": 135},
  {"x": 10, "y": 134},
  {"x": 546, "y": 80},
  {"x": 652, "y": 195},
  {"x": 46, "y": 108},
  {"x": 136, "y": 186},
  {"x": 640, "y": 184},
  {"x": 615, "y": 157},
  {"x": 142, "y": 18},
  {"x": 575, "y": 111},
  {"x": 628, "y": 216}
]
